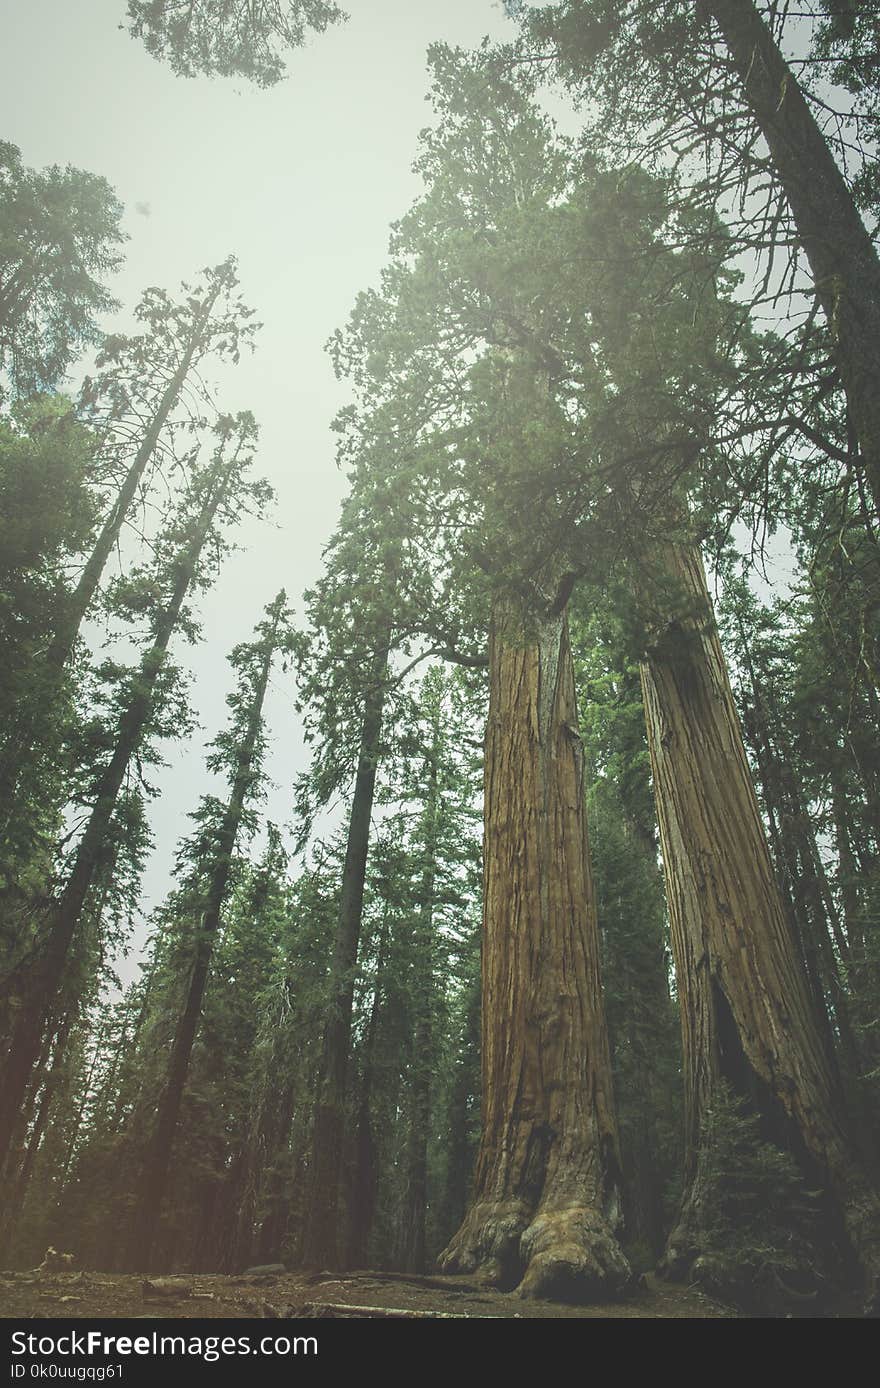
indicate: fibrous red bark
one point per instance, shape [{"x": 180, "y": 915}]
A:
[
  {"x": 747, "y": 1014},
  {"x": 545, "y": 1201}
]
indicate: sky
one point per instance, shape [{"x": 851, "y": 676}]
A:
[{"x": 301, "y": 182}]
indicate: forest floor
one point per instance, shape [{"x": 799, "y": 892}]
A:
[{"x": 42, "y": 1295}]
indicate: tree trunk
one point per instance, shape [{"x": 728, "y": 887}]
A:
[
  {"x": 846, "y": 269},
  {"x": 460, "y": 1143},
  {"x": 321, "y": 1233},
  {"x": 158, "y": 1160},
  {"x": 412, "y": 1237},
  {"x": 80, "y": 600},
  {"x": 65, "y": 913},
  {"x": 746, "y": 1011},
  {"x": 545, "y": 1201},
  {"x": 363, "y": 1189}
]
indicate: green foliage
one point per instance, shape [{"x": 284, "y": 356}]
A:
[
  {"x": 759, "y": 1220},
  {"x": 551, "y": 356},
  {"x": 59, "y": 229},
  {"x": 636, "y": 967},
  {"x": 48, "y": 506},
  {"x": 847, "y": 38},
  {"x": 228, "y": 38},
  {"x": 416, "y": 1047}
]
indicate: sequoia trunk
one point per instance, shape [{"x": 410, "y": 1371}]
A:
[
  {"x": 545, "y": 1201},
  {"x": 746, "y": 1010}
]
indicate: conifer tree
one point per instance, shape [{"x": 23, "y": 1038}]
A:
[
  {"x": 239, "y": 753},
  {"x": 228, "y": 38},
  {"x": 59, "y": 233},
  {"x": 133, "y": 403},
  {"x": 217, "y": 494},
  {"x": 643, "y": 66}
]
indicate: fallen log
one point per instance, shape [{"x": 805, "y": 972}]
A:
[{"x": 323, "y": 1310}]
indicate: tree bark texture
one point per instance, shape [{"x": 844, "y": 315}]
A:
[
  {"x": 545, "y": 1200},
  {"x": 746, "y": 1010}
]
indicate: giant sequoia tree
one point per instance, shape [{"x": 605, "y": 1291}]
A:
[
  {"x": 545, "y": 1198},
  {"x": 748, "y": 1016},
  {"x": 546, "y": 1190},
  {"x": 613, "y": 458}
]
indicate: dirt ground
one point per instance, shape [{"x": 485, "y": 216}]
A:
[{"x": 274, "y": 1295}]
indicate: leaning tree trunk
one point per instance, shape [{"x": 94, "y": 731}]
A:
[
  {"x": 78, "y": 603},
  {"x": 746, "y": 1011},
  {"x": 63, "y": 915},
  {"x": 545, "y": 1200},
  {"x": 842, "y": 255}
]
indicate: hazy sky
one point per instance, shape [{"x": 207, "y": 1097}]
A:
[{"x": 301, "y": 183}]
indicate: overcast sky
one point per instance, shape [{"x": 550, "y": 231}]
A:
[{"x": 301, "y": 182}]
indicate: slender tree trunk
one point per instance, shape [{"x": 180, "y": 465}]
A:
[
  {"x": 50, "y": 1088},
  {"x": 412, "y": 1241},
  {"x": 460, "y": 1153},
  {"x": 363, "y": 1193},
  {"x": 79, "y": 602},
  {"x": 64, "y": 915},
  {"x": 321, "y": 1233},
  {"x": 842, "y": 256},
  {"x": 545, "y": 1201},
  {"x": 746, "y": 1010},
  {"x": 411, "y": 1237},
  {"x": 73, "y": 1139},
  {"x": 149, "y": 1211},
  {"x": 29, "y": 1132}
]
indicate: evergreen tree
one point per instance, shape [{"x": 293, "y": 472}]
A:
[
  {"x": 59, "y": 233},
  {"x": 645, "y": 66},
  {"x": 217, "y": 494},
  {"x": 239, "y": 753},
  {"x": 227, "y": 38}
]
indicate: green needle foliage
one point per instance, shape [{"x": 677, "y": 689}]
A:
[
  {"x": 59, "y": 233},
  {"x": 228, "y": 38}
]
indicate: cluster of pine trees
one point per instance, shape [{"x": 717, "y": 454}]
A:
[{"x": 600, "y": 380}]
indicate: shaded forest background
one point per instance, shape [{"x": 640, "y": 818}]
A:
[{"x": 600, "y": 379}]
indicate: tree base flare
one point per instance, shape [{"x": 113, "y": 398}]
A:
[
  {"x": 486, "y": 1246},
  {"x": 571, "y": 1254},
  {"x": 565, "y": 1254},
  {"x": 783, "y": 1281}
]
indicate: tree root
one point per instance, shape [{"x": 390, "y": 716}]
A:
[
  {"x": 487, "y": 1244},
  {"x": 563, "y": 1254},
  {"x": 571, "y": 1254}
]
